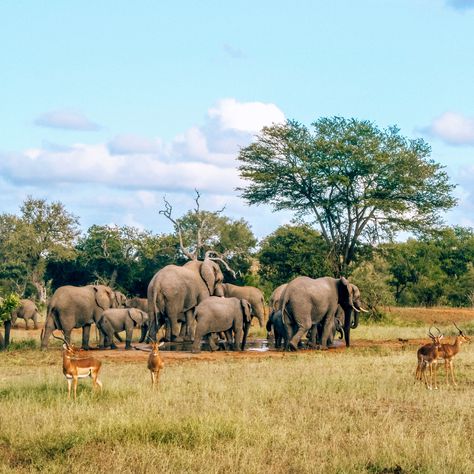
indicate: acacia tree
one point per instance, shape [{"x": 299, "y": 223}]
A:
[{"x": 355, "y": 182}]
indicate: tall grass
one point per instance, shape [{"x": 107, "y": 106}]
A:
[{"x": 352, "y": 411}]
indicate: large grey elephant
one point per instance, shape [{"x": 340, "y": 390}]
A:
[
  {"x": 307, "y": 302},
  {"x": 27, "y": 310},
  {"x": 175, "y": 291},
  {"x": 215, "y": 315},
  {"x": 115, "y": 320},
  {"x": 77, "y": 307}
]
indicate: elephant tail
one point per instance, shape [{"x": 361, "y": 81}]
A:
[{"x": 52, "y": 323}]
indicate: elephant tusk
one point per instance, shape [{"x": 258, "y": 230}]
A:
[
  {"x": 355, "y": 309},
  {"x": 364, "y": 310}
]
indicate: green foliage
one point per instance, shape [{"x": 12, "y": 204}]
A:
[
  {"x": 7, "y": 305},
  {"x": 372, "y": 278},
  {"x": 291, "y": 251},
  {"x": 42, "y": 232},
  {"x": 357, "y": 183}
]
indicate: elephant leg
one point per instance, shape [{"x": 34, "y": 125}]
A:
[
  {"x": 128, "y": 339},
  {"x": 108, "y": 332},
  {"x": 303, "y": 328},
  {"x": 196, "y": 348},
  {"x": 35, "y": 321},
  {"x": 175, "y": 328},
  {"x": 13, "y": 320},
  {"x": 239, "y": 335},
  {"x": 48, "y": 330},
  {"x": 86, "y": 331},
  {"x": 212, "y": 344},
  {"x": 144, "y": 331},
  {"x": 190, "y": 325}
]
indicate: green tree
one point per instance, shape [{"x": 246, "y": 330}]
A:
[
  {"x": 42, "y": 231},
  {"x": 7, "y": 305},
  {"x": 199, "y": 232},
  {"x": 355, "y": 182},
  {"x": 291, "y": 251}
]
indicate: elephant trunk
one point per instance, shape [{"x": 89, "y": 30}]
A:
[
  {"x": 355, "y": 320},
  {"x": 347, "y": 325}
]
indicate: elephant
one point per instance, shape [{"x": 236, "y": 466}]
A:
[
  {"x": 136, "y": 302},
  {"x": 27, "y": 310},
  {"x": 253, "y": 295},
  {"x": 335, "y": 326},
  {"x": 280, "y": 333},
  {"x": 75, "y": 307},
  {"x": 216, "y": 315},
  {"x": 115, "y": 320},
  {"x": 175, "y": 291},
  {"x": 275, "y": 298},
  {"x": 121, "y": 299},
  {"x": 307, "y": 302}
]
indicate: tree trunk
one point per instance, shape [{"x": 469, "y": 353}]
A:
[{"x": 5, "y": 341}]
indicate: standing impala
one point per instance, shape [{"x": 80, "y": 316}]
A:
[
  {"x": 76, "y": 367},
  {"x": 155, "y": 363},
  {"x": 427, "y": 356},
  {"x": 449, "y": 351}
]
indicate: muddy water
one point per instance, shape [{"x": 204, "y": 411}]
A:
[{"x": 255, "y": 345}]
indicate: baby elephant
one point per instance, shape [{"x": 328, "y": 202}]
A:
[
  {"x": 279, "y": 329},
  {"x": 216, "y": 314},
  {"x": 120, "y": 319},
  {"x": 26, "y": 310}
]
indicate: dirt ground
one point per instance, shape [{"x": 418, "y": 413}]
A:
[{"x": 141, "y": 351}]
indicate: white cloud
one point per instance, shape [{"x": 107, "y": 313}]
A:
[
  {"x": 129, "y": 144},
  {"x": 248, "y": 117},
  {"x": 124, "y": 180},
  {"x": 452, "y": 128},
  {"x": 66, "y": 119}
]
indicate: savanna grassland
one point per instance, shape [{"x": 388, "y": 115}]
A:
[{"x": 354, "y": 410}]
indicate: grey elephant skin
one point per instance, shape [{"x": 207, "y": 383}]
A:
[
  {"x": 175, "y": 291},
  {"x": 227, "y": 315},
  {"x": 307, "y": 302},
  {"x": 77, "y": 307},
  {"x": 139, "y": 303},
  {"x": 250, "y": 293},
  {"x": 27, "y": 310},
  {"x": 120, "y": 319},
  {"x": 275, "y": 298},
  {"x": 275, "y": 323}
]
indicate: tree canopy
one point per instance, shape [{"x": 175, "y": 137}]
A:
[{"x": 355, "y": 182}]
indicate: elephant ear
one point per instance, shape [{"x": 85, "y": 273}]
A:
[
  {"x": 103, "y": 296},
  {"x": 344, "y": 292},
  {"x": 208, "y": 274},
  {"x": 136, "y": 316},
  {"x": 246, "y": 310}
]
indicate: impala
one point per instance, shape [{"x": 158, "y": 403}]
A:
[
  {"x": 155, "y": 363},
  {"x": 427, "y": 356},
  {"x": 77, "y": 367},
  {"x": 449, "y": 351}
]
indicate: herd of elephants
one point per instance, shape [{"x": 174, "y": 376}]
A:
[{"x": 192, "y": 302}]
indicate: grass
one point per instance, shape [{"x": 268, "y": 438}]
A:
[
  {"x": 353, "y": 411},
  {"x": 350, "y": 411}
]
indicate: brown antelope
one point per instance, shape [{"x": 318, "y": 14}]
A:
[
  {"x": 427, "y": 356},
  {"x": 77, "y": 367},
  {"x": 155, "y": 363},
  {"x": 449, "y": 351}
]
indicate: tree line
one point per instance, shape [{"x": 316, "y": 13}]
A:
[{"x": 352, "y": 186}]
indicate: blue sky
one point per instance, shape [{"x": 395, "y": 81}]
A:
[{"x": 107, "y": 106}]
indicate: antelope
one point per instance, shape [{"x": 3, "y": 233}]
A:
[
  {"x": 427, "y": 356},
  {"x": 155, "y": 363},
  {"x": 449, "y": 351},
  {"x": 76, "y": 367}
]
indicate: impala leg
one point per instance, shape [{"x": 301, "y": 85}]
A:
[
  {"x": 451, "y": 365},
  {"x": 435, "y": 370},
  {"x": 75, "y": 386},
  {"x": 69, "y": 383},
  {"x": 446, "y": 370}
]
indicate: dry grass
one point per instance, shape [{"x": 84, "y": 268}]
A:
[{"x": 355, "y": 410}]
